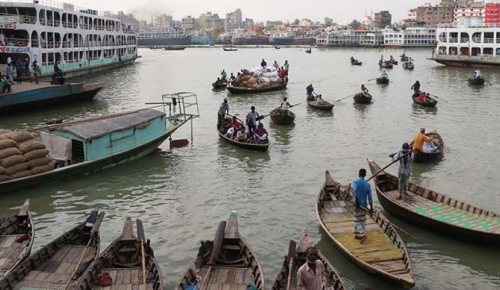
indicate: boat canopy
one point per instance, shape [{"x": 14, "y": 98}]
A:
[{"x": 92, "y": 129}]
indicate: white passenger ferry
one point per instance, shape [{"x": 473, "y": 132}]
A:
[
  {"x": 470, "y": 44},
  {"x": 78, "y": 40},
  {"x": 410, "y": 37}
]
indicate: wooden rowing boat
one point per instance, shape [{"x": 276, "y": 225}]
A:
[
  {"x": 429, "y": 103},
  {"x": 282, "y": 117},
  {"x": 428, "y": 156},
  {"x": 408, "y": 65},
  {"x": 219, "y": 85},
  {"x": 382, "y": 81},
  {"x": 60, "y": 263},
  {"x": 363, "y": 98},
  {"x": 476, "y": 81},
  {"x": 262, "y": 147},
  {"x": 123, "y": 262},
  {"x": 227, "y": 262},
  {"x": 383, "y": 253},
  {"x": 280, "y": 282},
  {"x": 385, "y": 64},
  {"x": 17, "y": 234},
  {"x": 323, "y": 105},
  {"x": 356, "y": 62},
  {"x": 436, "y": 211},
  {"x": 281, "y": 85}
]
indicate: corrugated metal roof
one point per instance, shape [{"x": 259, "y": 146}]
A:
[{"x": 97, "y": 128}]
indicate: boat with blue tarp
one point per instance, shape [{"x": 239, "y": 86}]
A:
[{"x": 83, "y": 146}]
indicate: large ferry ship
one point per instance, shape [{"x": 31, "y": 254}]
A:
[
  {"x": 78, "y": 40},
  {"x": 291, "y": 39},
  {"x": 163, "y": 37},
  {"x": 410, "y": 37},
  {"x": 468, "y": 45}
]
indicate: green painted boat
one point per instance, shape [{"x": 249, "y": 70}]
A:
[
  {"x": 89, "y": 145},
  {"x": 432, "y": 210}
]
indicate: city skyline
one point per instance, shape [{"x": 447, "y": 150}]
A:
[{"x": 341, "y": 12}]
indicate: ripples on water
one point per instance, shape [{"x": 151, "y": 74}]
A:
[{"x": 182, "y": 196}]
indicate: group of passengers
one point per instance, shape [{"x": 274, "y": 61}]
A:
[{"x": 235, "y": 130}]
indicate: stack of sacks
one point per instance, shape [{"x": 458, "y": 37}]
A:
[
  {"x": 257, "y": 78},
  {"x": 21, "y": 155}
]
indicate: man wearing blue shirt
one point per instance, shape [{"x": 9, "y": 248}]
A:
[{"x": 362, "y": 197}]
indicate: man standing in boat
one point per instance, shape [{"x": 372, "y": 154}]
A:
[
  {"x": 416, "y": 87},
  {"x": 405, "y": 158},
  {"x": 223, "y": 110},
  {"x": 252, "y": 118},
  {"x": 311, "y": 275},
  {"x": 285, "y": 105},
  {"x": 362, "y": 197}
]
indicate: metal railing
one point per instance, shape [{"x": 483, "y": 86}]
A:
[{"x": 21, "y": 42}]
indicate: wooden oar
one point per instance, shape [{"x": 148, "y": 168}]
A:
[
  {"x": 343, "y": 98},
  {"x": 438, "y": 98},
  {"x": 291, "y": 257},
  {"x": 295, "y": 105},
  {"x": 93, "y": 234},
  {"x": 372, "y": 79},
  {"x": 385, "y": 167},
  {"x": 141, "y": 237}
]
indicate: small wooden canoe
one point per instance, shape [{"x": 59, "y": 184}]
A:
[
  {"x": 428, "y": 156},
  {"x": 429, "y": 102},
  {"x": 229, "y": 49},
  {"x": 280, "y": 282},
  {"x": 282, "y": 117},
  {"x": 59, "y": 264},
  {"x": 281, "y": 85},
  {"x": 356, "y": 62},
  {"x": 393, "y": 62},
  {"x": 383, "y": 253},
  {"x": 385, "y": 64},
  {"x": 476, "y": 81},
  {"x": 17, "y": 234},
  {"x": 246, "y": 145},
  {"x": 408, "y": 65},
  {"x": 363, "y": 98},
  {"x": 308, "y": 50},
  {"x": 436, "y": 211},
  {"x": 219, "y": 85},
  {"x": 123, "y": 261},
  {"x": 324, "y": 105},
  {"x": 382, "y": 81},
  {"x": 227, "y": 262}
]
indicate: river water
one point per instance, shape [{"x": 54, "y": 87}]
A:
[{"x": 182, "y": 195}]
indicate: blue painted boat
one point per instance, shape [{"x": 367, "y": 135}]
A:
[
  {"x": 29, "y": 95},
  {"x": 102, "y": 142}
]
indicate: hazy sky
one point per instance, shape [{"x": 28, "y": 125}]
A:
[{"x": 260, "y": 10}]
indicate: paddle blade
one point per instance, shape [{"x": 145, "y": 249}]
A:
[
  {"x": 179, "y": 143},
  {"x": 140, "y": 230}
]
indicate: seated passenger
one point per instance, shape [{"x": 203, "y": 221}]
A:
[
  {"x": 234, "y": 123},
  {"x": 241, "y": 134},
  {"x": 319, "y": 100},
  {"x": 230, "y": 132},
  {"x": 422, "y": 97},
  {"x": 429, "y": 147},
  {"x": 260, "y": 134}
]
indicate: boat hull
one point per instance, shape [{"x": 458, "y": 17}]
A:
[
  {"x": 430, "y": 104},
  {"x": 36, "y": 97},
  {"x": 243, "y": 90},
  {"x": 360, "y": 98},
  {"x": 85, "y": 167},
  {"x": 282, "y": 117},
  {"x": 325, "y": 106},
  {"x": 422, "y": 221},
  {"x": 245, "y": 145},
  {"x": 382, "y": 81},
  {"x": 470, "y": 62},
  {"x": 476, "y": 81}
]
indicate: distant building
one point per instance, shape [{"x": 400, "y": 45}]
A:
[
  {"x": 233, "y": 21},
  {"x": 468, "y": 9},
  {"x": 431, "y": 16},
  {"x": 271, "y": 24},
  {"x": 163, "y": 21},
  {"x": 367, "y": 21},
  {"x": 492, "y": 14},
  {"x": 382, "y": 19},
  {"x": 187, "y": 23},
  {"x": 350, "y": 37},
  {"x": 248, "y": 23},
  {"x": 209, "y": 21}
]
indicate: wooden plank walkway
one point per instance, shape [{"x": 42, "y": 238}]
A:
[
  {"x": 58, "y": 270},
  {"x": 10, "y": 250}
]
